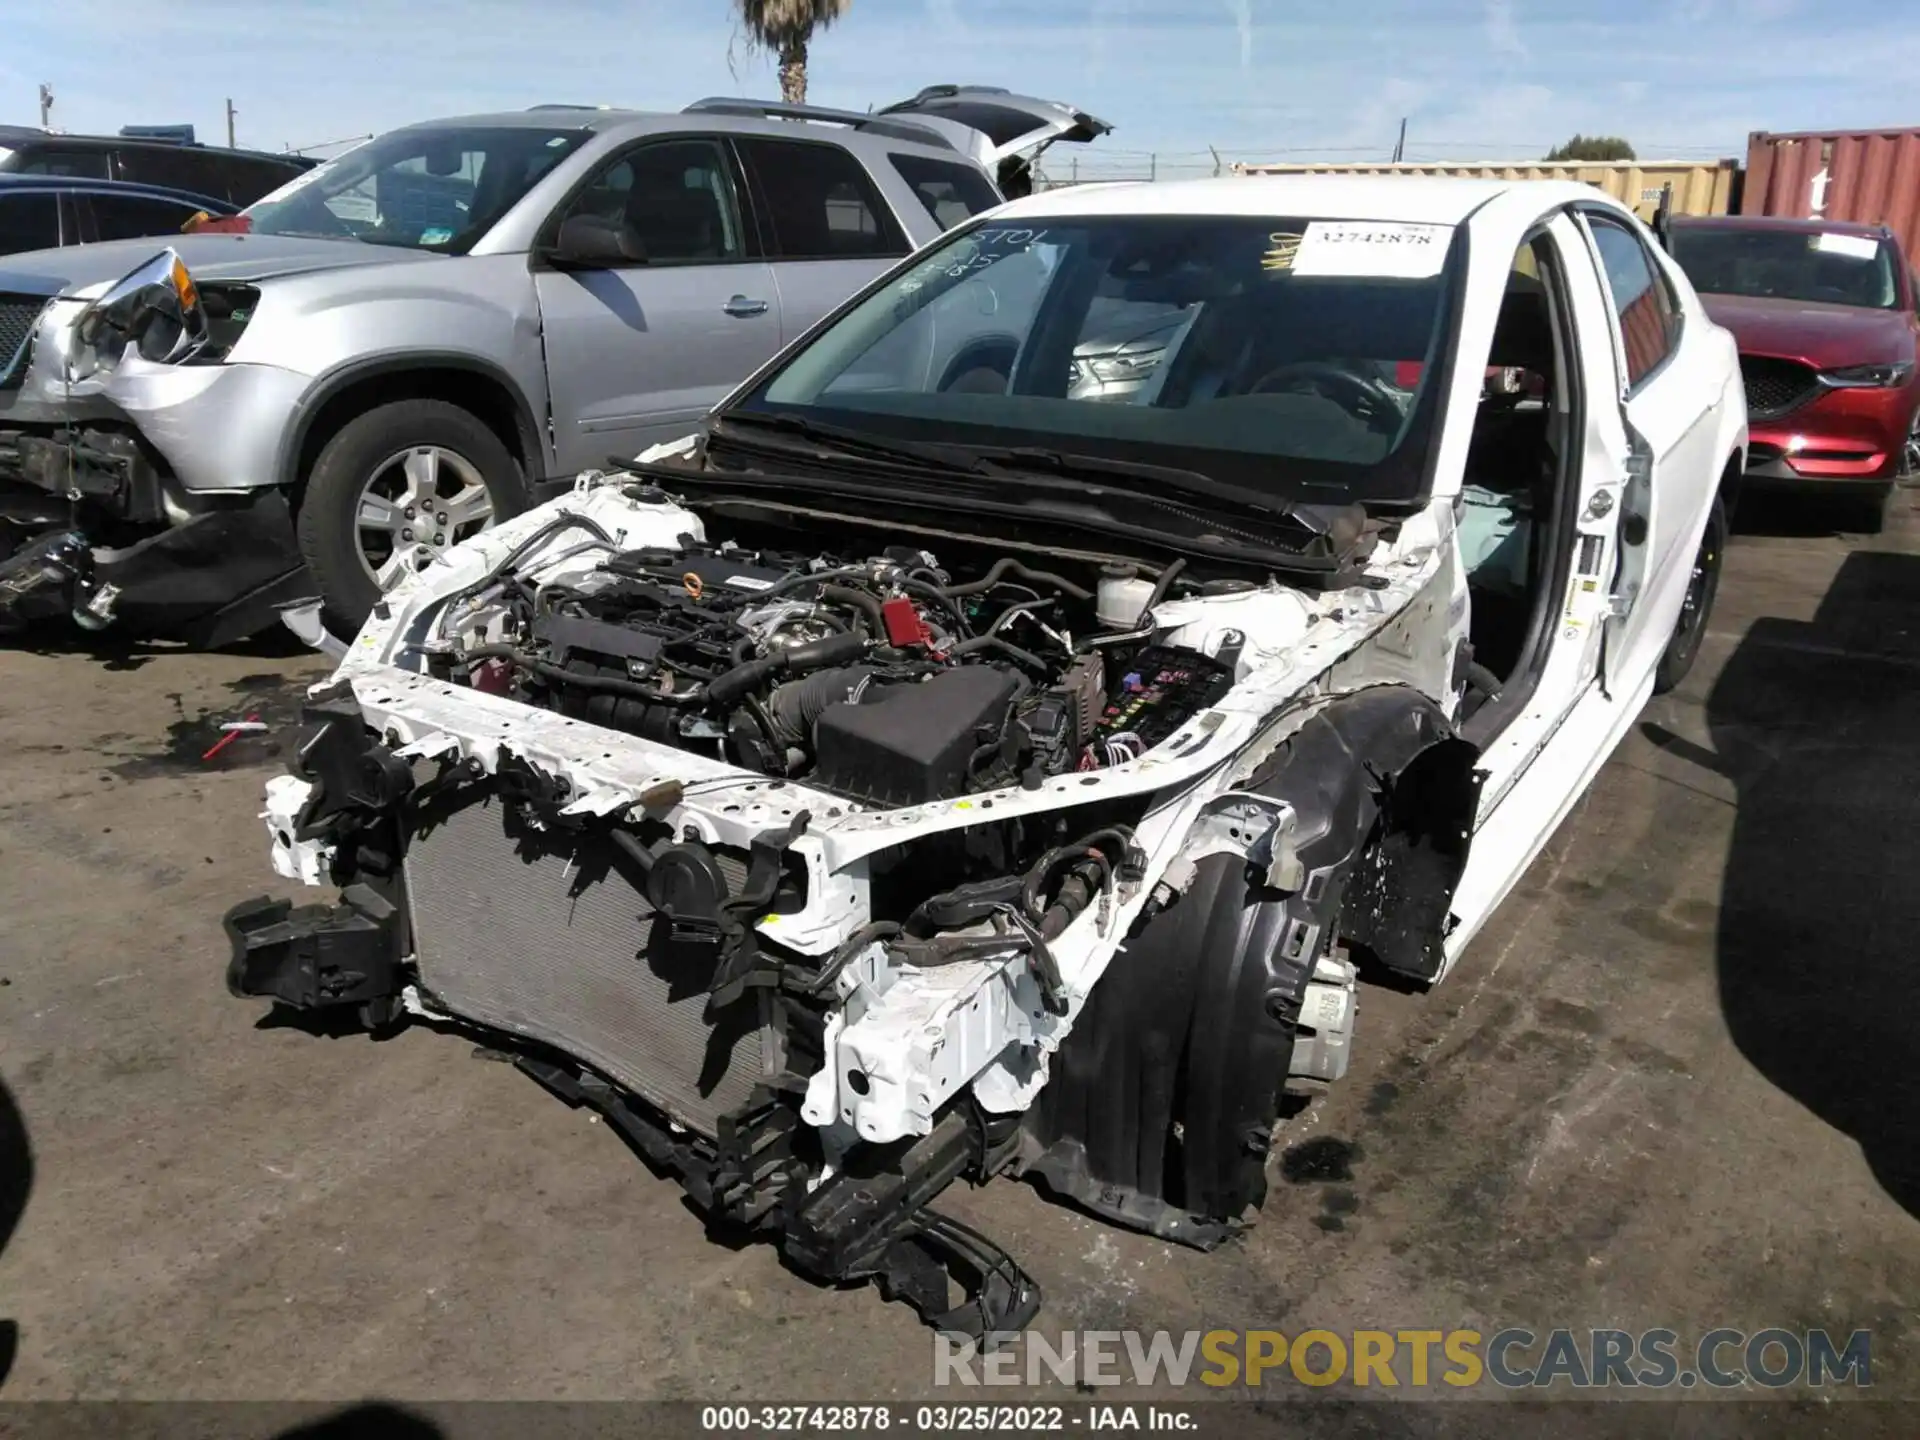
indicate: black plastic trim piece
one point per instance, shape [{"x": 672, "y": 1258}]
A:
[
  {"x": 1160, "y": 1111},
  {"x": 313, "y": 957}
]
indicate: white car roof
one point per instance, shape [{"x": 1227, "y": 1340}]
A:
[{"x": 1408, "y": 199}]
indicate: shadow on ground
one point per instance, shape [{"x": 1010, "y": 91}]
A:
[
  {"x": 1809, "y": 511},
  {"x": 115, "y": 651},
  {"x": 1818, "y": 725},
  {"x": 16, "y": 1182},
  {"x": 375, "y": 1420}
]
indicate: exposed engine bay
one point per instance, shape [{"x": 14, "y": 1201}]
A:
[
  {"x": 801, "y": 854},
  {"x": 888, "y": 680}
]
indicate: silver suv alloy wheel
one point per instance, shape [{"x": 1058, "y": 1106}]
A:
[{"x": 425, "y": 498}]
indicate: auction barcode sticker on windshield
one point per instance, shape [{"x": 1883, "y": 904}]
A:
[
  {"x": 1372, "y": 248},
  {"x": 1853, "y": 247}
]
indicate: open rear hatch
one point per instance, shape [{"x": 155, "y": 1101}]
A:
[{"x": 993, "y": 125}]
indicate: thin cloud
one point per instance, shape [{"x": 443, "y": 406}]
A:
[
  {"x": 1503, "y": 30},
  {"x": 1242, "y": 12}
]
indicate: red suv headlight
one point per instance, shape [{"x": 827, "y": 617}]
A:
[{"x": 1867, "y": 377}]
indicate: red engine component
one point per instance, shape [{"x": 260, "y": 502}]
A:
[
  {"x": 905, "y": 628},
  {"x": 492, "y": 677}
]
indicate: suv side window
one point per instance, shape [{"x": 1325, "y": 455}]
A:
[
  {"x": 29, "y": 222},
  {"x": 126, "y": 217},
  {"x": 676, "y": 195},
  {"x": 1649, "y": 316},
  {"x": 821, "y": 204},
  {"x": 951, "y": 191},
  {"x": 216, "y": 173},
  {"x": 53, "y": 160},
  {"x": 244, "y": 180},
  {"x": 177, "y": 169}
]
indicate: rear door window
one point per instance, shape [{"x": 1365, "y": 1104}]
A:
[
  {"x": 125, "y": 217},
  {"x": 820, "y": 202},
  {"x": 29, "y": 222},
  {"x": 950, "y": 191}
]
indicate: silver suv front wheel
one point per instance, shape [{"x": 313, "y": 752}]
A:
[
  {"x": 415, "y": 504},
  {"x": 392, "y": 488}
]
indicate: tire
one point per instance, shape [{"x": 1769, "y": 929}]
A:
[
  {"x": 1909, "y": 472},
  {"x": 372, "y": 457},
  {"x": 1683, "y": 646}
]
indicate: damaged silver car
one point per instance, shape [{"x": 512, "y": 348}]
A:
[{"x": 933, "y": 771}]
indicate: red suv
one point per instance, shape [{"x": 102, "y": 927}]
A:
[{"x": 1824, "y": 314}]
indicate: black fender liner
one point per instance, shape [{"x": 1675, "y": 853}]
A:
[{"x": 1193, "y": 1024}]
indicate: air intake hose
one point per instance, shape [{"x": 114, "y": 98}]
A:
[{"x": 744, "y": 679}]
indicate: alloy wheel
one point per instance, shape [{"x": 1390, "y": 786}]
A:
[{"x": 416, "y": 504}]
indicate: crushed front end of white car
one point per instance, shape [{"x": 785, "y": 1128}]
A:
[{"x": 833, "y": 862}]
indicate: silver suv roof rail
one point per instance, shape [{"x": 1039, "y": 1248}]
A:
[{"x": 899, "y": 128}]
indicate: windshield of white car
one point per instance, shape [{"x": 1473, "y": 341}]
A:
[
  {"x": 1832, "y": 267},
  {"x": 432, "y": 187},
  {"x": 1293, "y": 357}
]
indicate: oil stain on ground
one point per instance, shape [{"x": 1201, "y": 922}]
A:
[
  {"x": 268, "y": 699},
  {"x": 1324, "y": 1158}
]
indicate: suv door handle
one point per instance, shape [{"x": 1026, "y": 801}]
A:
[{"x": 744, "y": 306}]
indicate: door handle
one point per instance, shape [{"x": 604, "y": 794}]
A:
[{"x": 743, "y": 306}]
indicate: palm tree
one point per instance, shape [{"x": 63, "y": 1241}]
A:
[{"x": 784, "y": 27}]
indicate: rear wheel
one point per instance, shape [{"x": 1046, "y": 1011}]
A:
[
  {"x": 1688, "y": 631},
  {"x": 402, "y": 482}
]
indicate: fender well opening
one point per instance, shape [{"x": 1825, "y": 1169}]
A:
[{"x": 1400, "y": 895}]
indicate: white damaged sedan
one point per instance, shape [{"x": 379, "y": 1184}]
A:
[{"x": 1004, "y": 738}]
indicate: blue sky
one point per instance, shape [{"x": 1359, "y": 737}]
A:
[{"x": 1254, "y": 78}]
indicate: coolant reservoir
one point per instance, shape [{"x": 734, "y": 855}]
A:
[{"x": 1120, "y": 599}]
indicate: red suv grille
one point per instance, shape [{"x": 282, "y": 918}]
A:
[{"x": 1776, "y": 386}]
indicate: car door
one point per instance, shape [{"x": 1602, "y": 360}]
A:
[
  {"x": 1536, "y": 766},
  {"x": 1666, "y": 395},
  {"x": 638, "y": 353},
  {"x": 828, "y": 229}
]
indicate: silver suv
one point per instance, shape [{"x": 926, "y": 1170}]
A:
[{"x": 385, "y": 355}]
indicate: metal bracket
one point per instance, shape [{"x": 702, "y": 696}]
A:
[
  {"x": 1241, "y": 822},
  {"x": 1328, "y": 1006}
]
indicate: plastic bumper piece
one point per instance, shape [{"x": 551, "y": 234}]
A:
[
  {"x": 316, "y": 956},
  {"x": 219, "y": 577}
]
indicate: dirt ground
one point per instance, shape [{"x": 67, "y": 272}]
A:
[{"x": 1674, "y": 1084}]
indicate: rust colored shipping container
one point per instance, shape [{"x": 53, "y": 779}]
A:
[
  {"x": 1871, "y": 177},
  {"x": 1699, "y": 187}
]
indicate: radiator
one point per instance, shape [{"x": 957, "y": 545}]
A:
[{"x": 534, "y": 933}]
